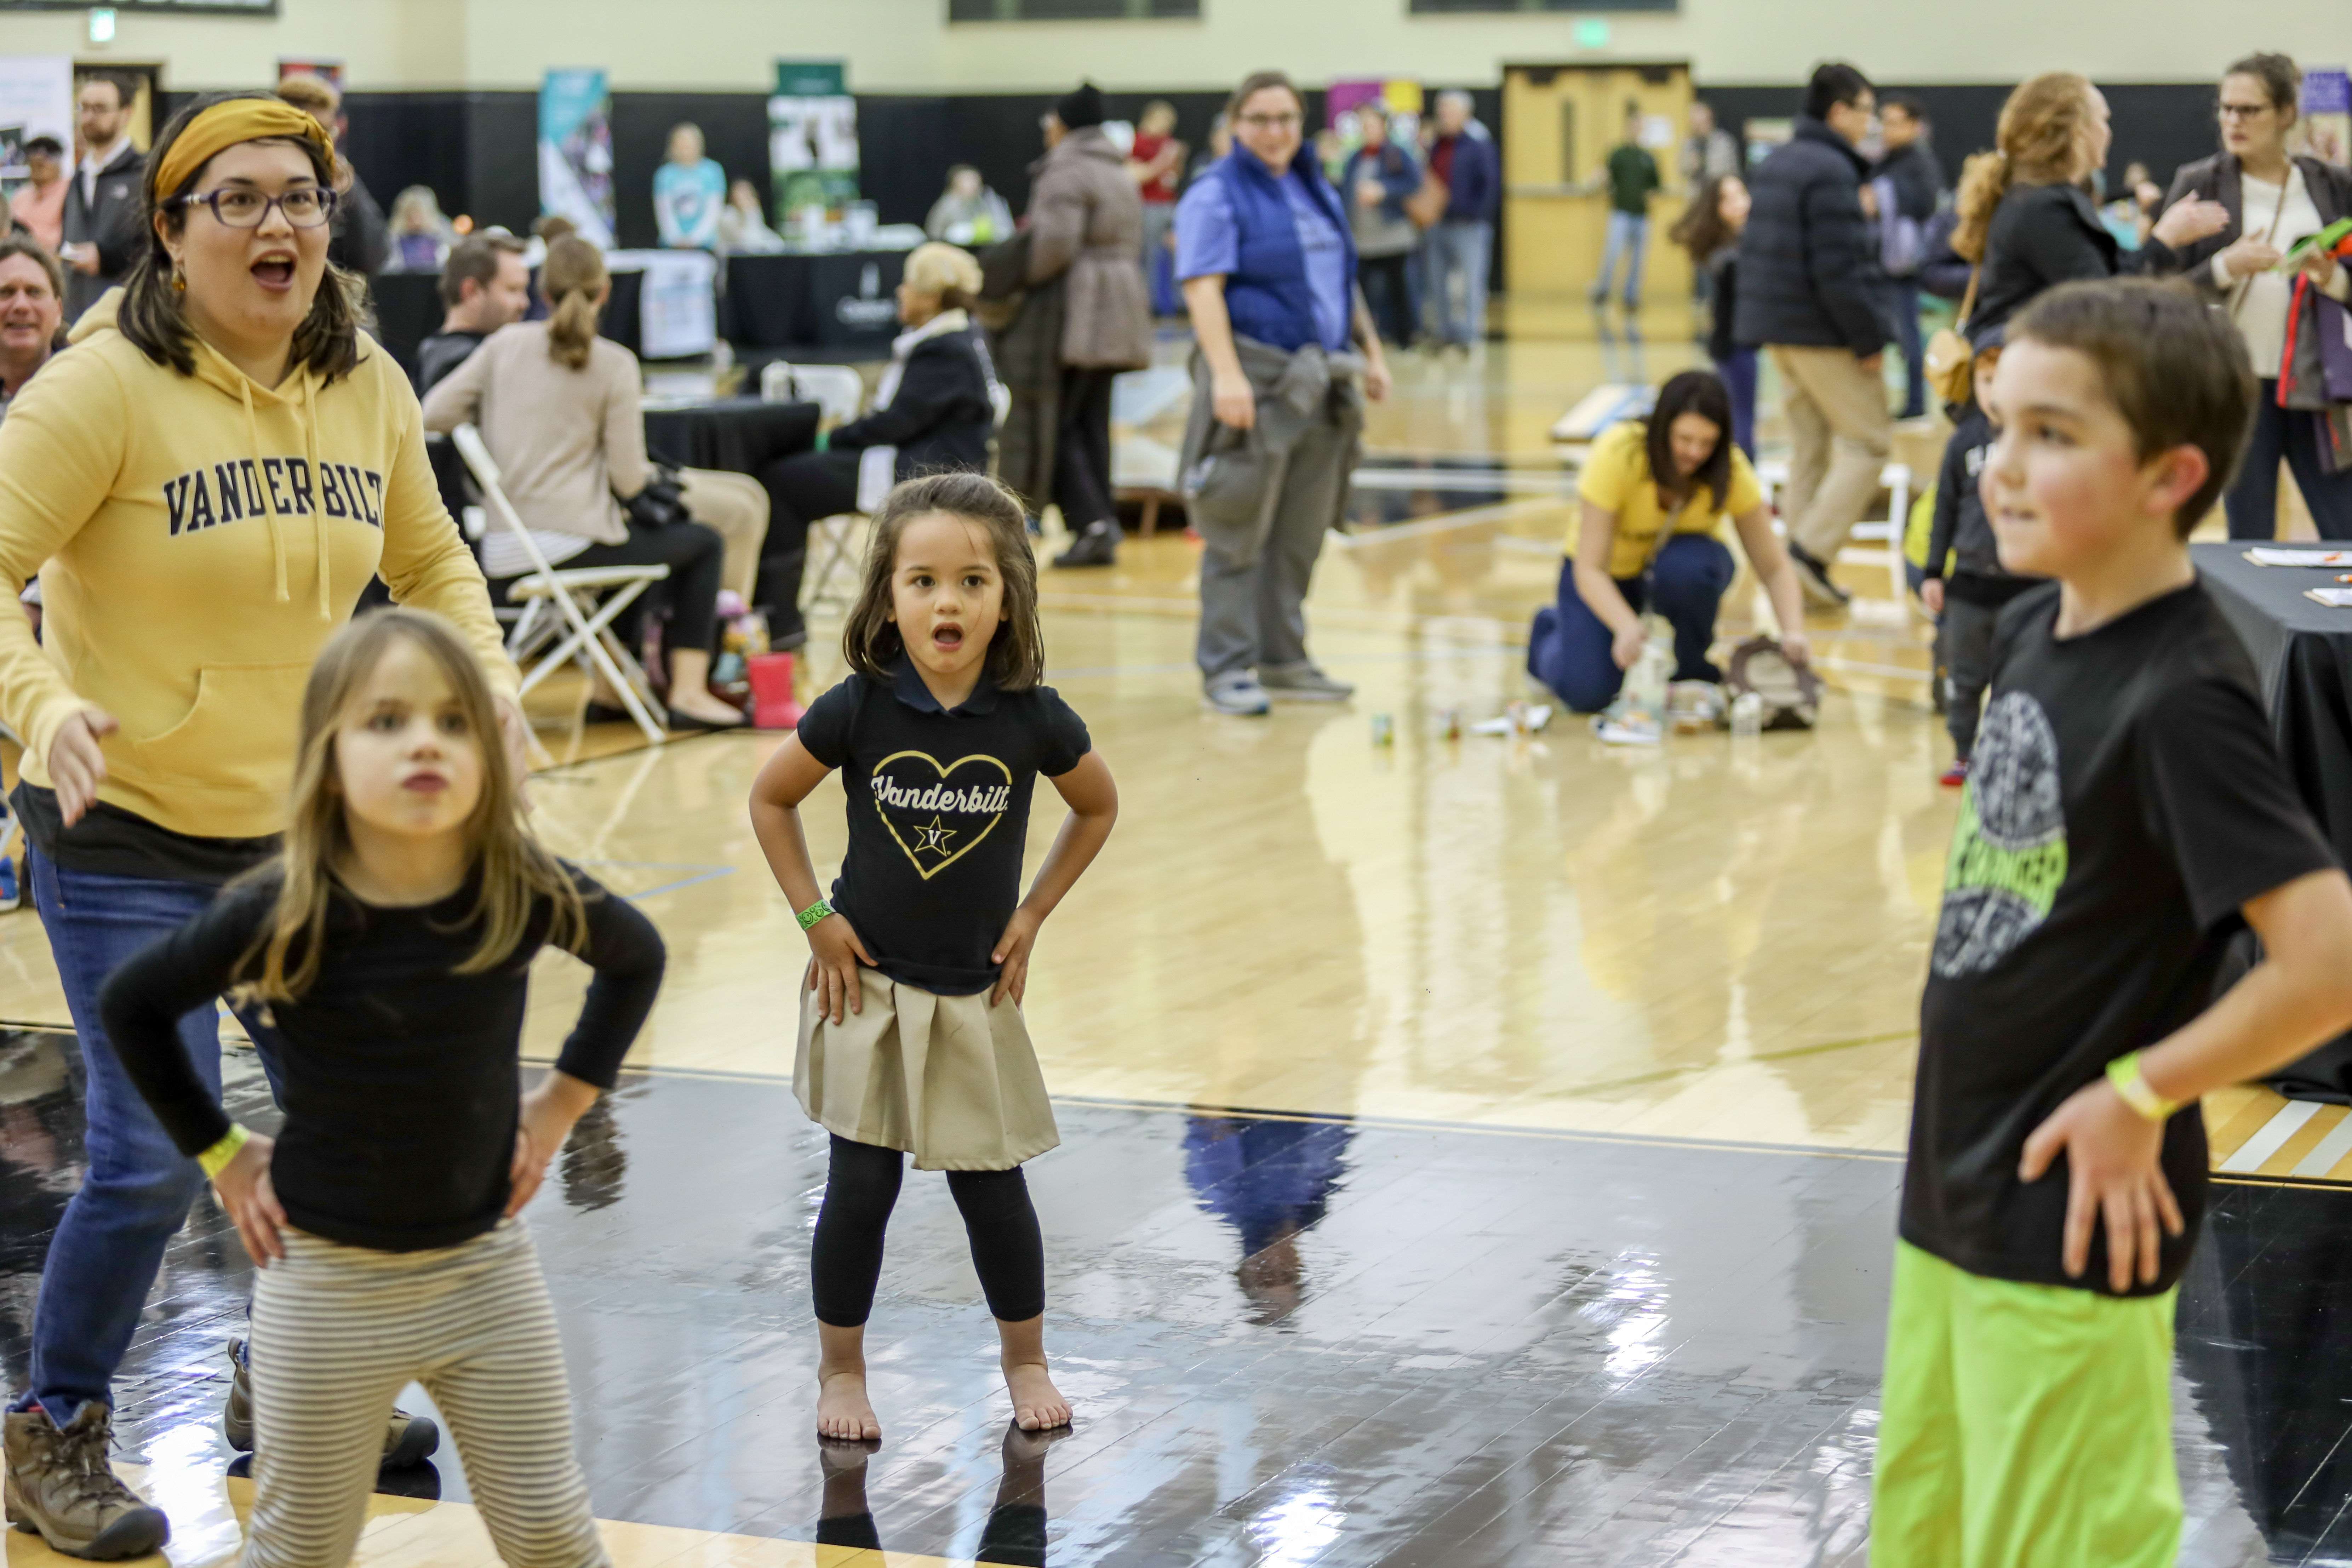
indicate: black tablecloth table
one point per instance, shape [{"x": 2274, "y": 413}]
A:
[
  {"x": 408, "y": 310},
  {"x": 734, "y": 434},
  {"x": 840, "y": 300},
  {"x": 2303, "y": 657}
]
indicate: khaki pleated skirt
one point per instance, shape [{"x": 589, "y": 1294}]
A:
[{"x": 950, "y": 1079}]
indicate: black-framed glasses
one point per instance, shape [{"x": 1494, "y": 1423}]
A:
[
  {"x": 307, "y": 206},
  {"x": 2242, "y": 110}
]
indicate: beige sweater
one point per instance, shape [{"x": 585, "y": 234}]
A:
[{"x": 567, "y": 441}]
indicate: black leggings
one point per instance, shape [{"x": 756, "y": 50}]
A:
[
  {"x": 801, "y": 490},
  {"x": 694, "y": 555},
  {"x": 860, "y": 1190}
]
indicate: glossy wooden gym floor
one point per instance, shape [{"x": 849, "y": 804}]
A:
[{"x": 1526, "y": 976}]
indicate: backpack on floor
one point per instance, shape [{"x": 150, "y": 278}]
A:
[{"x": 1792, "y": 692}]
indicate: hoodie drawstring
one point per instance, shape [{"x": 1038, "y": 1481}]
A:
[
  {"x": 317, "y": 480},
  {"x": 261, "y": 475},
  {"x": 308, "y": 415}
]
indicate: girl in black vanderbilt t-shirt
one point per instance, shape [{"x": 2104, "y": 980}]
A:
[{"x": 911, "y": 1038}]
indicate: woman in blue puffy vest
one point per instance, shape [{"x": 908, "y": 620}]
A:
[{"x": 1285, "y": 354}]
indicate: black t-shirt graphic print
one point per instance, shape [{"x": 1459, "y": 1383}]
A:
[
  {"x": 2124, "y": 802},
  {"x": 939, "y": 816}
]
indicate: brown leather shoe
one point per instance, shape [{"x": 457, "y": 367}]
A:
[{"x": 58, "y": 1484}]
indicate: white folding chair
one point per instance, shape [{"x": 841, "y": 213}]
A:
[{"x": 584, "y": 600}]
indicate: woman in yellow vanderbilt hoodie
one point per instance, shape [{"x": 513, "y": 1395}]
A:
[{"x": 204, "y": 481}]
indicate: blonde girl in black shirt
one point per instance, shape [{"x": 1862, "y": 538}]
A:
[
  {"x": 911, "y": 1038},
  {"x": 390, "y": 943}
]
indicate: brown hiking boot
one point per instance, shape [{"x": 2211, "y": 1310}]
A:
[
  {"x": 58, "y": 1484},
  {"x": 407, "y": 1439}
]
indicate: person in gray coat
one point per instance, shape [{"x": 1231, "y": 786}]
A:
[{"x": 1085, "y": 224}]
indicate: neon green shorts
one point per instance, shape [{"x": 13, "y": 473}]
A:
[{"x": 2022, "y": 1425}]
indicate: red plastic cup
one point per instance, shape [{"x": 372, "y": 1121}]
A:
[{"x": 772, "y": 707}]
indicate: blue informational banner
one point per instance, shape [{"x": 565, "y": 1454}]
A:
[
  {"x": 2328, "y": 113},
  {"x": 575, "y": 151}
]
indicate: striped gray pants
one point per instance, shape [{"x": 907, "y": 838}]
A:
[{"x": 337, "y": 1331}]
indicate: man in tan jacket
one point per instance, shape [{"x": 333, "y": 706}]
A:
[{"x": 1086, "y": 221}]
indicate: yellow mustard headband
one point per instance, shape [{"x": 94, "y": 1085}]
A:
[{"x": 226, "y": 124}]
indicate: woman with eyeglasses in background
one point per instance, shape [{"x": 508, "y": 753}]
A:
[
  {"x": 206, "y": 484},
  {"x": 2273, "y": 199}
]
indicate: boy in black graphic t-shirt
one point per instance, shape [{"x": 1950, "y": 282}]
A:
[{"x": 2124, "y": 813}]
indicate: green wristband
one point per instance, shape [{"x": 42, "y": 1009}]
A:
[
  {"x": 814, "y": 913},
  {"x": 216, "y": 1159},
  {"x": 2136, "y": 1091}
]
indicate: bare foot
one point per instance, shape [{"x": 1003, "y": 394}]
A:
[
  {"x": 842, "y": 1411},
  {"x": 1038, "y": 1404}
]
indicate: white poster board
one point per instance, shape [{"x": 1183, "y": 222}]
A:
[{"x": 36, "y": 99}]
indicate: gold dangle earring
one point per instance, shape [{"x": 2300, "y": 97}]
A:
[{"x": 179, "y": 279}]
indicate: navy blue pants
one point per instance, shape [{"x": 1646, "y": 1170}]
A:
[
  {"x": 1738, "y": 373},
  {"x": 2295, "y": 433},
  {"x": 1568, "y": 649}
]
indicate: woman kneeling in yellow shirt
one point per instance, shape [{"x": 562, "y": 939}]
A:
[{"x": 1650, "y": 535}]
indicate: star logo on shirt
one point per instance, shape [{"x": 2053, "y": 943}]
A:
[{"x": 933, "y": 837}]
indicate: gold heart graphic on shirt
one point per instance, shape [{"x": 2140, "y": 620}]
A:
[{"x": 937, "y": 812}]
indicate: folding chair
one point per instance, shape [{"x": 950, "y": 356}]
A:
[{"x": 585, "y": 600}]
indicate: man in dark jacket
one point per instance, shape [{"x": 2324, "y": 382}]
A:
[
  {"x": 1809, "y": 293},
  {"x": 1908, "y": 184},
  {"x": 1463, "y": 159},
  {"x": 101, "y": 233},
  {"x": 362, "y": 241}
]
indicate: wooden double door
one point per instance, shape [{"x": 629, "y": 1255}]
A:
[{"x": 1559, "y": 125}]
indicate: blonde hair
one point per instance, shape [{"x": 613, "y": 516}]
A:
[
  {"x": 312, "y": 94},
  {"x": 2039, "y": 142},
  {"x": 572, "y": 276},
  {"x": 515, "y": 871},
  {"x": 948, "y": 270}
]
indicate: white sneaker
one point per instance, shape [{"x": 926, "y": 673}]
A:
[
  {"x": 1238, "y": 694},
  {"x": 1303, "y": 683},
  {"x": 1623, "y": 724}
]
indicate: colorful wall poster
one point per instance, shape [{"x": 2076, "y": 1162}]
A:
[
  {"x": 2328, "y": 113},
  {"x": 813, "y": 137},
  {"x": 575, "y": 151},
  {"x": 329, "y": 71},
  {"x": 36, "y": 99}
]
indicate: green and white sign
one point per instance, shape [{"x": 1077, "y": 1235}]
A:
[{"x": 813, "y": 137}]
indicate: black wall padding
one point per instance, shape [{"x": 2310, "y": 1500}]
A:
[{"x": 2162, "y": 124}]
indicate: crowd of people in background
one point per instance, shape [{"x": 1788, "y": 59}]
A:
[{"x": 1815, "y": 261}]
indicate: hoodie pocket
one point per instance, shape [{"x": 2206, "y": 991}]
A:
[{"x": 240, "y": 734}]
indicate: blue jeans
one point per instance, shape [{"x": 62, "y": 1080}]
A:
[
  {"x": 1457, "y": 251},
  {"x": 1629, "y": 235},
  {"x": 1567, "y": 649},
  {"x": 1901, "y": 308},
  {"x": 109, "y": 1246},
  {"x": 1738, "y": 375},
  {"x": 2295, "y": 433}
]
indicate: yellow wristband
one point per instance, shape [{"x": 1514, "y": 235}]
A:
[
  {"x": 2124, "y": 1073},
  {"x": 216, "y": 1159}
]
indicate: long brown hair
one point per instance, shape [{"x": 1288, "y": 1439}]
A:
[
  {"x": 1701, "y": 229},
  {"x": 572, "y": 275},
  {"x": 2039, "y": 138},
  {"x": 1016, "y": 654},
  {"x": 328, "y": 340},
  {"x": 514, "y": 870}
]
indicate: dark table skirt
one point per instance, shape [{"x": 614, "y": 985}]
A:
[
  {"x": 2303, "y": 657},
  {"x": 735, "y": 435},
  {"x": 835, "y": 300}
]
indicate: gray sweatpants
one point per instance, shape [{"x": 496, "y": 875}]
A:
[
  {"x": 337, "y": 1331},
  {"x": 1252, "y": 614},
  {"x": 1967, "y": 637}
]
